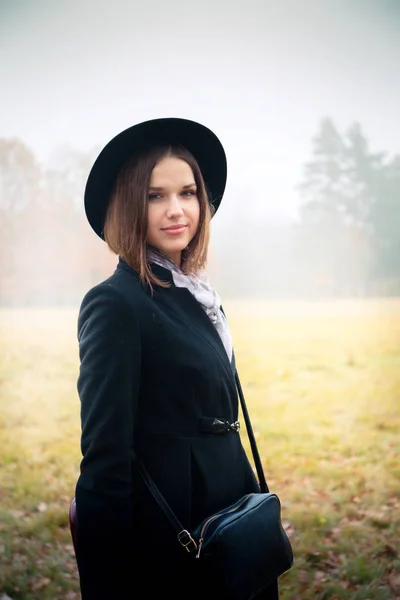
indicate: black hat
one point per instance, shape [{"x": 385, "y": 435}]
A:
[{"x": 198, "y": 139}]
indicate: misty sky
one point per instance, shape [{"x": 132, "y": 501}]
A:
[{"x": 261, "y": 74}]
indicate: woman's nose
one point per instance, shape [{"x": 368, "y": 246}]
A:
[{"x": 175, "y": 206}]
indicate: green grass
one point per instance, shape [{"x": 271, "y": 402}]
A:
[{"x": 322, "y": 384}]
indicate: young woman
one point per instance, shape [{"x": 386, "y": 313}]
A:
[{"x": 156, "y": 368}]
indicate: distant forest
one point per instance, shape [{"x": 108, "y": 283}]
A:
[{"x": 345, "y": 241}]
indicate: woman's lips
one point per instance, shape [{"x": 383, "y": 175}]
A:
[{"x": 175, "y": 229}]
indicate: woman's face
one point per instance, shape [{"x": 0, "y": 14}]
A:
[{"x": 173, "y": 208}]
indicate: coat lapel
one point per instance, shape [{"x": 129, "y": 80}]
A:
[{"x": 184, "y": 305}]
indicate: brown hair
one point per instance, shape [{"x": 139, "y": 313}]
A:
[{"x": 125, "y": 227}]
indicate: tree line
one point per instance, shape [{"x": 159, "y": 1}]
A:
[
  {"x": 345, "y": 241},
  {"x": 350, "y": 210}
]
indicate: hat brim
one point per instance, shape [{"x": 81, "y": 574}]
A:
[{"x": 203, "y": 144}]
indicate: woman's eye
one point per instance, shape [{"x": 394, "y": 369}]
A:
[
  {"x": 154, "y": 196},
  {"x": 189, "y": 193}
]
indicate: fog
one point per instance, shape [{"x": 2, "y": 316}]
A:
[{"x": 263, "y": 75}]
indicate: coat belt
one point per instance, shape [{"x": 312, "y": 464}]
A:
[{"x": 217, "y": 425}]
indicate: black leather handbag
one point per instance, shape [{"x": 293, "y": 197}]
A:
[{"x": 245, "y": 544}]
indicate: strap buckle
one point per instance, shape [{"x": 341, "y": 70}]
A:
[{"x": 186, "y": 540}]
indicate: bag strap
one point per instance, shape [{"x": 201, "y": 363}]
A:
[
  {"x": 260, "y": 473},
  {"x": 184, "y": 536}
]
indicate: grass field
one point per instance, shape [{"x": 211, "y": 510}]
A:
[{"x": 322, "y": 384}]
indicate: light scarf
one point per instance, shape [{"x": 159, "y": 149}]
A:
[{"x": 199, "y": 286}]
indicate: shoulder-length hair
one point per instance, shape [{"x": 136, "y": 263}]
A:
[{"x": 126, "y": 223}]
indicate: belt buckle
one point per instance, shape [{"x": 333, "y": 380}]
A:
[{"x": 235, "y": 426}]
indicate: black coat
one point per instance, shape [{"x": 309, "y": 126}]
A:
[{"x": 152, "y": 366}]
